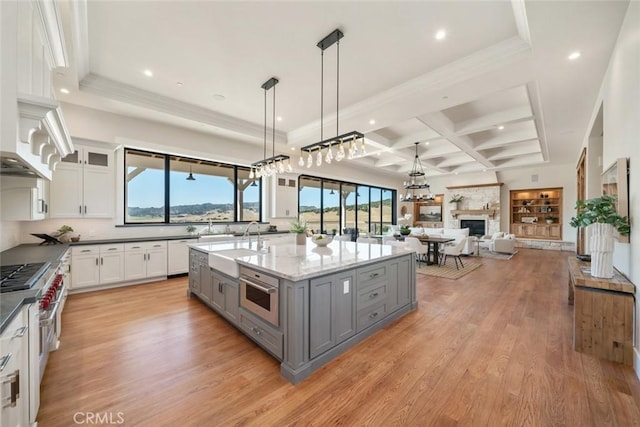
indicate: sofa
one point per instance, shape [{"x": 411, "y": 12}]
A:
[
  {"x": 454, "y": 233},
  {"x": 499, "y": 242}
]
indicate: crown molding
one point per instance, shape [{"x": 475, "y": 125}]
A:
[
  {"x": 53, "y": 35},
  {"x": 80, "y": 33},
  {"x": 474, "y": 65},
  {"x": 117, "y": 91}
]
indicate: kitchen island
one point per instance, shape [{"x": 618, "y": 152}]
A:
[{"x": 305, "y": 304}]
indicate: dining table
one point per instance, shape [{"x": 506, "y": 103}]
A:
[{"x": 433, "y": 244}]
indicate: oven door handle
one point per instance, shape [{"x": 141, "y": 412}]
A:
[
  {"x": 52, "y": 314},
  {"x": 266, "y": 290}
]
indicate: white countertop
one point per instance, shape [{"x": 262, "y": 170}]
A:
[{"x": 298, "y": 262}]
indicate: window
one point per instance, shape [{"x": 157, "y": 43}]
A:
[
  {"x": 330, "y": 206},
  {"x": 161, "y": 188},
  {"x": 144, "y": 187}
]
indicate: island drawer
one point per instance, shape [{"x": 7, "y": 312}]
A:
[
  {"x": 268, "y": 337},
  {"x": 369, "y": 316},
  {"x": 371, "y": 295},
  {"x": 372, "y": 274}
]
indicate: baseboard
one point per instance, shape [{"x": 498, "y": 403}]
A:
[{"x": 636, "y": 362}]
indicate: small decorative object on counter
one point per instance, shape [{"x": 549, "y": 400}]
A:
[
  {"x": 191, "y": 229},
  {"x": 273, "y": 228},
  {"x": 405, "y": 230},
  {"x": 321, "y": 239},
  {"x": 300, "y": 230},
  {"x": 64, "y": 233}
]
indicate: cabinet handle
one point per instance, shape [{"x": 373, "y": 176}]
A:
[
  {"x": 135, "y": 247},
  {"x": 157, "y": 246},
  {"x": 80, "y": 209},
  {"x": 256, "y": 330},
  {"x": 5, "y": 361},
  {"x": 20, "y": 332},
  {"x": 96, "y": 261},
  {"x": 14, "y": 379},
  {"x": 112, "y": 249},
  {"x": 373, "y": 295},
  {"x": 373, "y": 315},
  {"x": 85, "y": 208},
  {"x": 86, "y": 250},
  {"x": 148, "y": 257},
  {"x": 372, "y": 275},
  {"x": 101, "y": 261}
]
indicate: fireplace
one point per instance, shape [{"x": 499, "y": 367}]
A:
[{"x": 477, "y": 227}]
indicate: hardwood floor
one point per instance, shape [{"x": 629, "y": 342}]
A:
[{"x": 489, "y": 349}]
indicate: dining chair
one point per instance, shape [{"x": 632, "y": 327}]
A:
[
  {"x": 454, "y": 251},
  {"x": 387, "y": 239},
  {"x": 370, "y": 240},
  {"x": 420, "y": 249}
]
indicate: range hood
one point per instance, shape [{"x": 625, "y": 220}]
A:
[{"x": 41, "y": 139}]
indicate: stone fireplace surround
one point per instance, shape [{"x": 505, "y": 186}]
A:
[{"x": 475, "y": 198}]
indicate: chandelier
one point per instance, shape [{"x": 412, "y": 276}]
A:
[
  {"x": 276, "y": 163},
  {"x": 417, "y": 188},
  {"x": 352, "y": 140}
]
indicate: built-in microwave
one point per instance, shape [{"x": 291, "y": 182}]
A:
[{"x": 259, "y": 294}]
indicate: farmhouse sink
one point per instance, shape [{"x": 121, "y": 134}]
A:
[{"x": 225, "y": 260}]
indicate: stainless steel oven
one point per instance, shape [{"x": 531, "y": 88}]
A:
[{"x": 260, "y": 294}]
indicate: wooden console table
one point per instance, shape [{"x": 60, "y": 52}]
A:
[{"x": 603, "y": 313}]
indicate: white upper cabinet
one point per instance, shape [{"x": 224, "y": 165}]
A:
[
  {"x": 23, "y": 199},
  {"x": 284, "y": 196},
  {"x": 83, "y": 184}
]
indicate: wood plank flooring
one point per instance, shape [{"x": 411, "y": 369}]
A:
[{"x": 490, "y": 349}]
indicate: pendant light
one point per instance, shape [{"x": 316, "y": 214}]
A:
[
  {"x": 417, "y": 181},
  {"x": 276, "y": 163},
  {"x": 350, "y": 138},
  {"x": 190, "y": 177}
]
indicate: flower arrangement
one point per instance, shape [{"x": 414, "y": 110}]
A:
[{"x": 456, "y": 198}]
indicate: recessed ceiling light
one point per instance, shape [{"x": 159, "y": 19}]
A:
[
  {"x": 372, "y": 122},
  {"x": 65, "y": 91},
  {"x": 148, "y": 73},
  {"x": 219, "y": 97},
  {"x": 426, "y": 143},
  {"x": 501, "y": 127},
  {"x": 293, "y": 148},
  {"x": 574, "y": 55},
  {"x": 279, "y": 118},
  {"x": 441, "y": 34}
]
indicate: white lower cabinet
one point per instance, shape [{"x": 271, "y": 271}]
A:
[
  {"x": 145, "y": 259},
  {"x": 14, "y": 372},
  {"x": 94, "y": 265},
  {"x": 178, "y": 256}
]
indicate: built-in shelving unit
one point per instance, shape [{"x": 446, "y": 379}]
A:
[{"x": 536, "y": 213}]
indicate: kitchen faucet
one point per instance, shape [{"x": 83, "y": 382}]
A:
[{"x": 246, "y": 233}]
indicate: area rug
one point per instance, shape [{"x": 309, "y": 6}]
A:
[
  {"x": 486, "y": 253},
  {"x": 449, "y": 271}
]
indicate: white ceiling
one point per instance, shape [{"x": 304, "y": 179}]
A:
[{"x": 503, "y": 63}]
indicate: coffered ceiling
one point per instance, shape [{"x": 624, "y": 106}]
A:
[{"x": 497, "y": 92}]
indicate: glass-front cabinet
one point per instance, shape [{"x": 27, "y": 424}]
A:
[{"x": 536, "y": 213}]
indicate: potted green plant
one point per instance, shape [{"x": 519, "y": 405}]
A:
[
  {"x": 455, "y": 200},
  {"x": 405, "y": 230},
  {"x": 191, "y": 229},
  {"x": 300, "y": 230},
  {"x": 64, "y": 234},
  {"x": 600, "y": 216}
]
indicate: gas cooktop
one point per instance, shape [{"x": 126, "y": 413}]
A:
[{"x": 20, "y": 277}]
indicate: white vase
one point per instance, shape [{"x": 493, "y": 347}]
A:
[
  {"x": 301, "y": 239},
  {"x": 602, "y": 243}
]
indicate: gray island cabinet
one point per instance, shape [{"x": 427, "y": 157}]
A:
[{"x": 326, "y": 299}]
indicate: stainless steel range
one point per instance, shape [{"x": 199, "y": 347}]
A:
[{"x": 47, "y": 280}]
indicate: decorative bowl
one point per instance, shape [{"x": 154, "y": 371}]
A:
[{"x": 321, "y": 239}]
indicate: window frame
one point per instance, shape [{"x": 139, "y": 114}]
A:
[
  {"x": 167, "y": 189},
  {"x": 370, "y": 187}
]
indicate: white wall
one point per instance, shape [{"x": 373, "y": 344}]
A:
[{"x": 620, "y": 97}]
